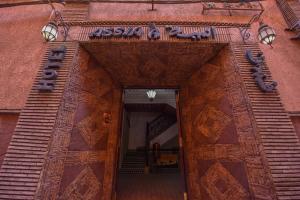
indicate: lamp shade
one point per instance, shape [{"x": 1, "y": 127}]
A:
[
  {"x": 151, "y": 94},
  {"x": 266, "y": 34},
  {"x": 50, "y": 31}
]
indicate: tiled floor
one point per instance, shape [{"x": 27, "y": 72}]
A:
[{"x": 150, "y": 187}]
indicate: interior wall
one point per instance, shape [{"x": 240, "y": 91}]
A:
[
  {"x": 138, "y": 126},
  {"x": 8, "y": 123}
]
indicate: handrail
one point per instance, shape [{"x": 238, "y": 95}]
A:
[{"x": 159, "y": 125}]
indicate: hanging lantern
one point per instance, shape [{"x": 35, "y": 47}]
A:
[
  {"x": 266, "y": 34},
  {"x": 151, "y": 94},
  {"x": 50, "y": 31}
]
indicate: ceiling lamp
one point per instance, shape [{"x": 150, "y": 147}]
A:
[
  {"x": 266, "y": 34},
  {"x": 151, "y": 94}
]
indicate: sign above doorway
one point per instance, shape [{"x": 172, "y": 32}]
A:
[{"x": 153, "y": 32}]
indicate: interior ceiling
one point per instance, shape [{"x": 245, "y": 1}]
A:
[
  {"x": 152, "y": 64},
  {"x": 138, "y": 107},
  {"x": 139, "y": 96}
]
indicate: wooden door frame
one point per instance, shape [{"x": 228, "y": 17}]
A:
[
  {"x": 117, "y": 152},
  {"x": 182, "y": 160}
]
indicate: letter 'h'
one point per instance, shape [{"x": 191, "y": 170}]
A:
[{"x": 49, "y": 73}]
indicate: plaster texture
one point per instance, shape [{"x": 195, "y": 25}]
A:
[
  {"x": 22, "y": 44},
  {"x": 22, "y": 48}
]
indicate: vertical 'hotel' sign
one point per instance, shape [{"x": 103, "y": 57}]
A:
[{"x": 49, "y": 74}]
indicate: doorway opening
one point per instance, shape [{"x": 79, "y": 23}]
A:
[{"x": 150, "y": 159}]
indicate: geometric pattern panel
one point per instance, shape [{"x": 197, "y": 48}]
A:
[
  {"x": 211, "y": 122},
  {"x": 84, "y": 187},
  {"x": 89, "y": 129},
  {"x": 220, "y": 184},
  {"x": 218, "y": 137},
  {"x": 82, "y": 154},
  {"x": 152, "y": 64}
]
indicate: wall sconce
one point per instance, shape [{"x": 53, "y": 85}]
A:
[
  {"x": 151, "y": 94},
  {"x": 266, "y": 34},
  {"x": 50, "y": 30}
]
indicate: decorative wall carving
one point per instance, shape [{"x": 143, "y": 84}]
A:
[
  {"x": 151, "y": 63},
  {"x": 219, "y": 140},
  {"x": 85, "y": 186},
  {"x": 210, "y": 122},
  {"x": 220, "y": 184},
  {"x": 80, "y": 160},
  {"x": 222, "y": 154}
]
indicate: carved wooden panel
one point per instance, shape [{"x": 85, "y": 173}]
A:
[
  {"x": 223, "y": 157},
  {"x": 82, "y": 155},
  {"x": 152, "y": 63}
]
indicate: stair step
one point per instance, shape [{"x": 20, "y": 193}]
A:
[{"x": 133, "y": 163}]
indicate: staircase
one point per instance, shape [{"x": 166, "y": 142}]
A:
[
  {"x": 163, "y": 128},
  {"x": 133, "y": 162}
]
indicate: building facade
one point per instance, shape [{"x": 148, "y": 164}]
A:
[{"x": 61, "y": 129}]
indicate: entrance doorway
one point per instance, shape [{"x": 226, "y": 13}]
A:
[{"x": 150, "y": 162}]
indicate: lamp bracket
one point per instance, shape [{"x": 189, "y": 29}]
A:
[
  {"x": 59, "y": 20},
  {"x": 244, "y": 31}
]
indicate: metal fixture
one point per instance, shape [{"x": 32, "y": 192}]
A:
[
  {"x": 266, "y": 34},
  {"x": 151, "y": 94},
  {"x": 50, "y": 30}
]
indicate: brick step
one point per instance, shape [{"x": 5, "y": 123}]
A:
[
  {"x": 287, "y": 184},
  {"x": 289, "y": 197},
  {"x": 285, "y": 167},
  {"x": 285, "y": 171},
  {"x": 283, "y": 152},
  {"x": 287, "y": 155}
]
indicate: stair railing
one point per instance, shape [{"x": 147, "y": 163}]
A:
[{"x": 159, "y": 125}]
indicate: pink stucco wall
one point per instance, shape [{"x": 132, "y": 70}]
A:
[
  {"x": 21, "y": 51},
  {"x": 22, "y": 45}
]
